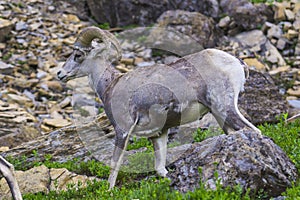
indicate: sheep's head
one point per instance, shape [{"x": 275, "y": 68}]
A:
[{"x": 83, "y": 58}]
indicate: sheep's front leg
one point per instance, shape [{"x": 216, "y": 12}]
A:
[
  {"x": 160, "y": 151},
  {"x": 121, "y": 142},
  {"x": 117, "y": 158},
  {"x": 116, "y": 162},
  {"x": 7, "y": 170}
]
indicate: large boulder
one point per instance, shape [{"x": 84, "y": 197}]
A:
[
  {"x": 261, "y": 99},
  {"x": 245, "y": 158},
  {"x": 176, "y": 31},
  {"x": 63, "y": 144},
  {"x": 245, "y": 15},
  {"x": 193, "y": 24},
  {"x": 142, "y": 12},
  {"x": 124, "y": 12}
]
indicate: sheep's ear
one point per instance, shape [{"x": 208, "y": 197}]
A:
[{"x": 99, "y": 52}]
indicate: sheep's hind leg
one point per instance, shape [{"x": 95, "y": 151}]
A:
[
  {"x": 160, "y": 151},
  {"x": 230, "y": 119}
]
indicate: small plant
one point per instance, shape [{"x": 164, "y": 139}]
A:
[
  {"x": 6, "y": 56},
  {"x": 82, "y": 112},
  {"x": 139, "y": 143},
  {"x": 200, "y": 134},
  {"x": 265, "y": 1},
  {"x": 142, "y": 39},
  {"x": 105, "y": 26},
  {"x": 100, "y": 110}
]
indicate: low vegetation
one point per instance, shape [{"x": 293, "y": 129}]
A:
[
  {"x": 149, "y": 186},
  {"x": 264, "y": 1}
]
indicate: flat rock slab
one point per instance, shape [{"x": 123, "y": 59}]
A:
[
  {"x": 43, "y": 179},
  {"x": 245, "y": 158}
]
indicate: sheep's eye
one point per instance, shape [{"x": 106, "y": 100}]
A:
[{"x": 78, "y": 57}]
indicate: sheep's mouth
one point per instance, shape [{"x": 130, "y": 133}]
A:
[
  {"x": 63, "y": 78},
  {"x": 66, "y": 78}
]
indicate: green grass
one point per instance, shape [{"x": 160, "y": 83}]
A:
[
  {"x": 90, "y": 168},
  {"x": 264, "y": 1},
  {"x": 148, "y": 186},
  {"x": 200, "y": 135},
  {"x": 287, "y": 136},
  {"x": 139, "y": 143},
  {"x": 152, "y": 188},
  {"x": 105, "y": 26}
]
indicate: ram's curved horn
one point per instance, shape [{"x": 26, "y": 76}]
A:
[{"x": 88, "y": 34}]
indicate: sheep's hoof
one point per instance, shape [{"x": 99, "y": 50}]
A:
[{"x": 162, "y": 172}]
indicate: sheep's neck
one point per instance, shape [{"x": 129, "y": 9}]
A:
[{"x": 102, "y": 79}]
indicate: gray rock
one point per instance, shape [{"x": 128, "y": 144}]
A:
[
  {"x": 261, "y": 99},
  {"x": 296, "y": 23},
  {"x": 57, "y": 144},
  {"x": 5, "y": 68},
  {"x": 15, "y": 133},
  {"x": 42, "y": 179},
  {"x": 273, "y": 55},
  {"x": 125, "y": 12},
  {"x": 246, "y": 15},
  {"x": 162, "y": 37},
  {"x": 31, "y": 181},
  {"x": 224, "y": 22},
  {"x": 279, "y": 198},
  {"x": 294, "y": 103},
  {"x": 256, "y": 41},
  {"x": 145, "y": 64},
  {"x": 209, "y": 8},
  {"x": 143, "y": 12},
  {"x": 244, "y": 157},
  {"x": 290, "y": 15},
  {"x": 200, "y": 27},
  {"x": 281, "y": 44},
  {"x": 5, "y": 28},
  {"x": 60, "y": 179},
  {"x": 274, "y": 32},
  {"x": 297, "y": 48},
  {"x": 252, "y": 39},
  {"x": 170, "y": 59},
  {"x": 20, "y": 26},
  {"x": 286, "y": 25}
]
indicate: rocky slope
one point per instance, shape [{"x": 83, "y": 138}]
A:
[{"x": 36, "y": 37}]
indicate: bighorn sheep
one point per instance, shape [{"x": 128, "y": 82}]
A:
[
  {"x": 7, "y": 170},
  {"x": 150, "y": 100}
]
